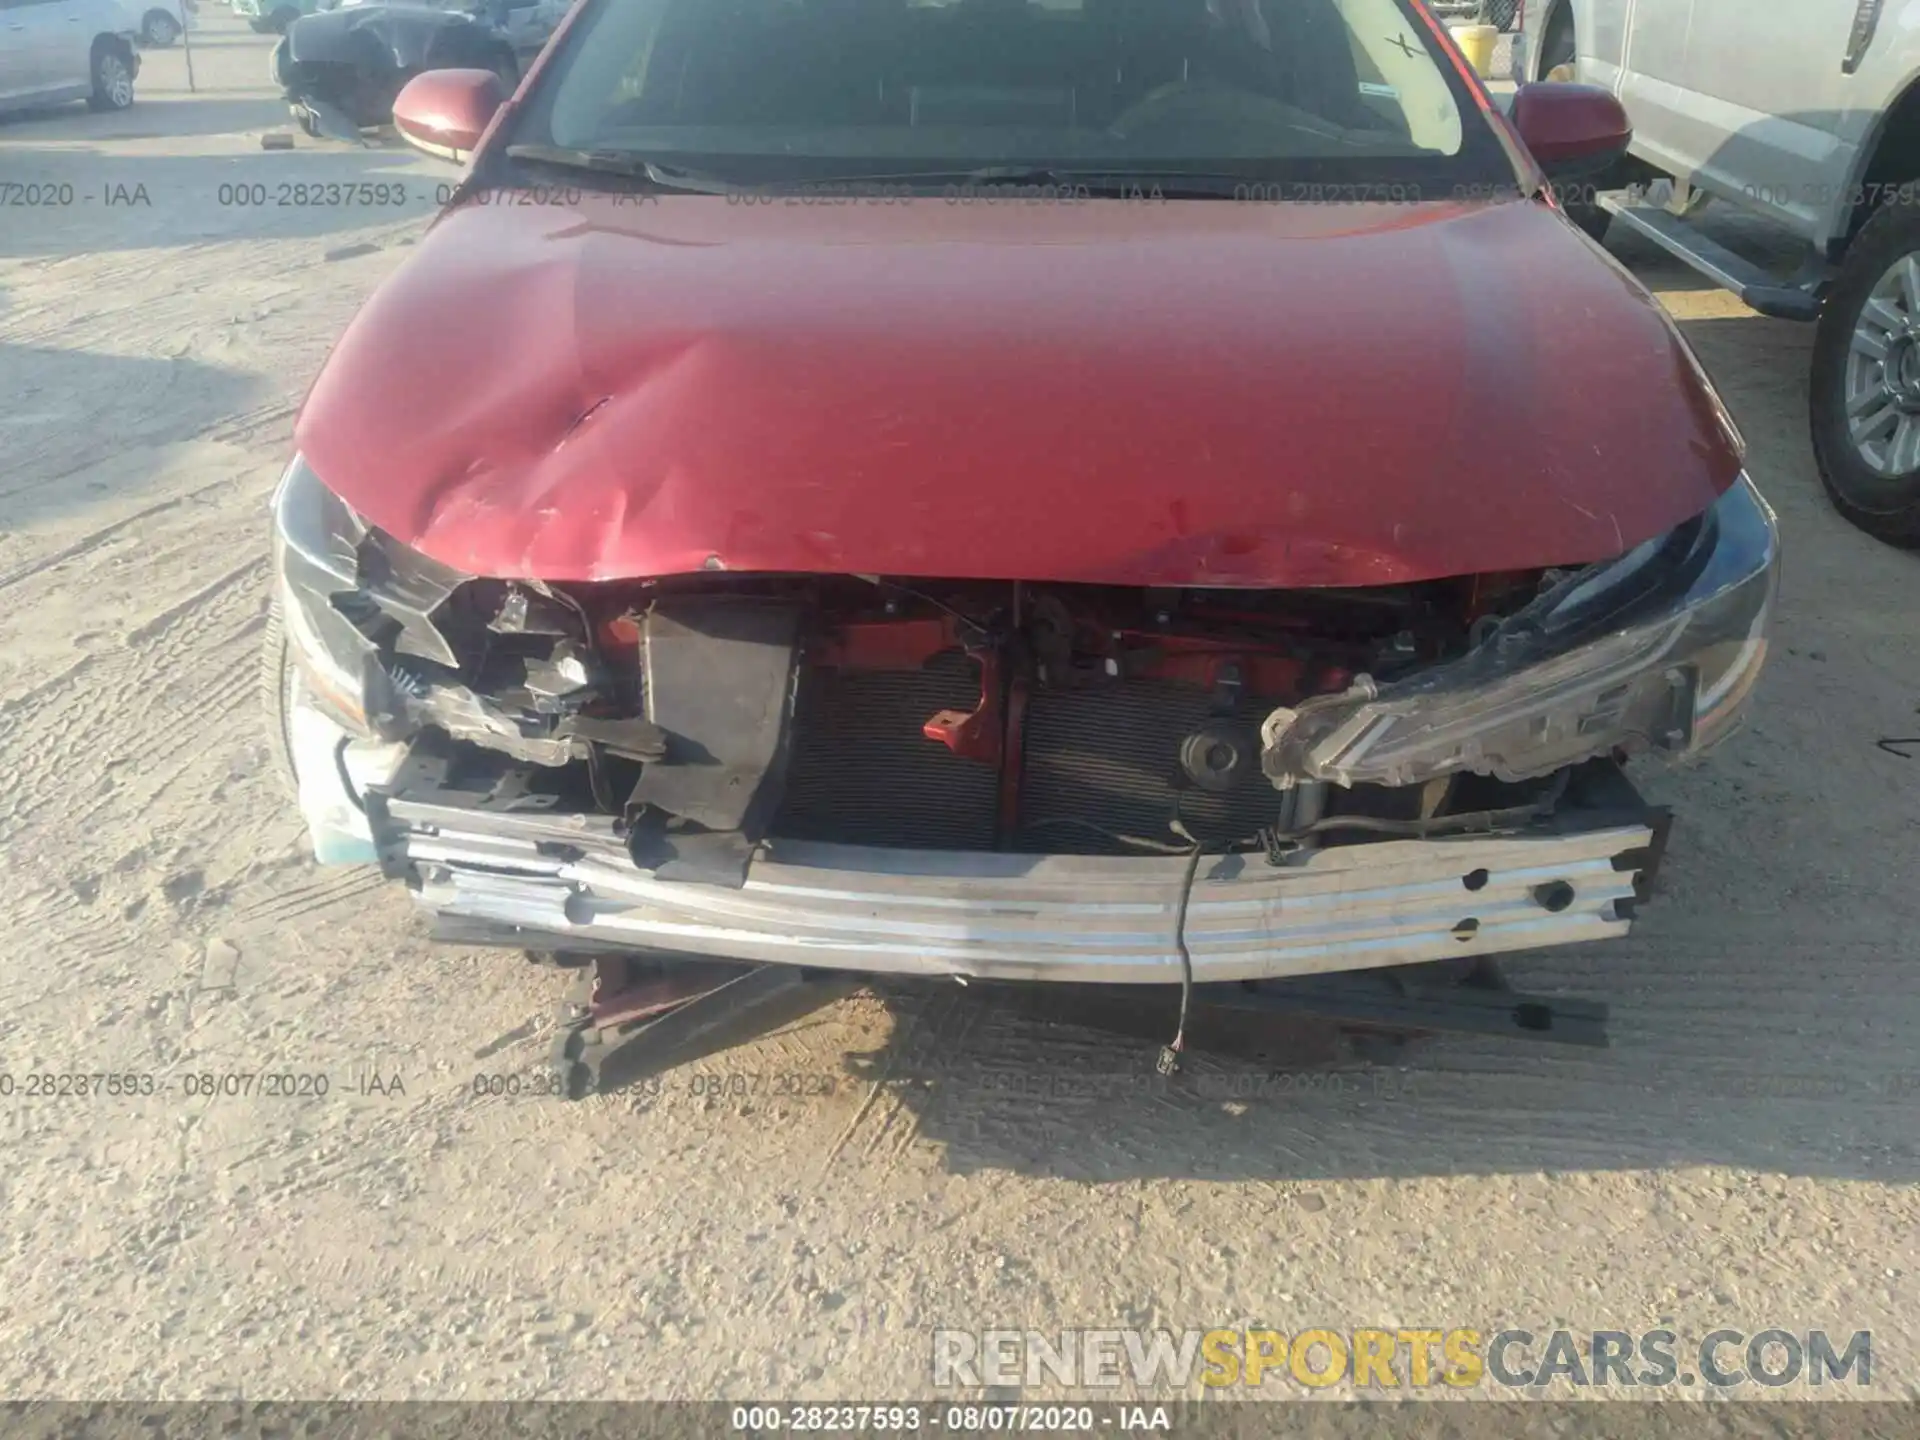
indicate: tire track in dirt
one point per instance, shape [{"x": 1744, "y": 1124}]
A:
[
  {"x": 186, "y": 685},
  {"x": 163, "y": 620},
  {"x": 276, "y": 908},
  {"x": 63, "y": 929},
  {"x": 57, "y": 681},
  {"x": 950, "y": 1031},
  {"x": 117, "y": 301},
  {"x": 380, "y": 1142},
  {"x": 924, "y": 1026},
  {"x": 245, "y": 428},
  {"x": 311, "y": 888},
  {"x": 363, "y": 1140},
  {"x": 95, "y": 539}
]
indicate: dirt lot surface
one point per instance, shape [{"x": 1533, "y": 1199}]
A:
[{"x": 1744, "y": 1157}]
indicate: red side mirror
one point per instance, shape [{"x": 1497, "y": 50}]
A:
[
  {"x": 1570, "y": 127},
  {"x": 445, "y": 112}
]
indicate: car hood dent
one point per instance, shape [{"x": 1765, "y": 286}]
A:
[{"x": 1201, "y": 393}]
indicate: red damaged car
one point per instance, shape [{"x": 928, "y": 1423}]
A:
[{"x": 1146, "y": 492}]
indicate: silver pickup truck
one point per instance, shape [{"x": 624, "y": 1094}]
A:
[{"x": 1806, "y": 113}]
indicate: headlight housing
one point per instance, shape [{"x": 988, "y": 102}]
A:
[
  {"x": 342, "y": 602},
  {"x": 315, "y": 544},
  {"x": 1655, "y": 651},
  {"x": 378, "y": 632}
]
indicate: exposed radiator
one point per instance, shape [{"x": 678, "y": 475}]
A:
[
  {"x": 1098, "y": 762},
  {"x": 861, "y": 773},
  {"x": 1110, "y": 757}
]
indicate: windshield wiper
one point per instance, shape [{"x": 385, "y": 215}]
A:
[
  {"x": 1199, "y": 180},
  {"x": 1172, "y": 184},
  {"x": 622, "y": 163},
  {"x": 1119, "y": 183}
]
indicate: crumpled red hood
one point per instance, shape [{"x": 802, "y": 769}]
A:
[{"x": 1198, "y": 393}]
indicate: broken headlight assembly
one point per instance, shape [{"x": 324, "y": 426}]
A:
[
  {"x": 388, "y": 640},
  {"x": 315, "y": 540},
  {"x": 1657, "y": 651},
  {"x": 344, "y": 606}
]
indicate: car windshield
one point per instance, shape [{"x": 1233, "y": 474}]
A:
[{"x": 1331, "y": 91}]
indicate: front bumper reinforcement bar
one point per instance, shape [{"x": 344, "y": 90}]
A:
[{"x": 1028, "y": 918}]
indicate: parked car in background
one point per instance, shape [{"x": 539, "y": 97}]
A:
[
  {"x": 272, "y": 17},
  {"x": 159, "y": 22},
  {"x": 341, "y": 69},
  {"x": 913, "y": 491},
  {"x": 57, "y": 50},
  {"x": 342, "y": 66},
  {"x": 526, "y": 25},
  {"x": 1806, "y": 115}
]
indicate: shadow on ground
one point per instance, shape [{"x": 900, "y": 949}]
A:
[{"x": 75, "y": 419}]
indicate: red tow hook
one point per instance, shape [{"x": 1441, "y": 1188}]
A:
[{"x": 977, "y": 734}]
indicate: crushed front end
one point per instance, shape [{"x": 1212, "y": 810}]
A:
[{"x": 1008, "y": 780}]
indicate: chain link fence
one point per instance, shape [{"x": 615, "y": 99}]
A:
[{"x": 1504, "y": 14}]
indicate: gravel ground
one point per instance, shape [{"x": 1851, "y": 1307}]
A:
[{"x": 1744, "y": 1157}]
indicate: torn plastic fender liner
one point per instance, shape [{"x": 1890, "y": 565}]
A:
[{"x": 720, "y": 676}]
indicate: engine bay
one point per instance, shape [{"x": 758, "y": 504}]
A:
[{"x": 708, "y": 712}]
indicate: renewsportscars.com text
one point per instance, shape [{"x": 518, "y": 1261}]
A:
[{"x": 1398, "y": 1358}]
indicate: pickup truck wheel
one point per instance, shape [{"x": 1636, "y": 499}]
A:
[
  {"x": 1587, "y": 214},
  {"x": 1866, "y": 380},
  {"x": 1558, "y": 53}
]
